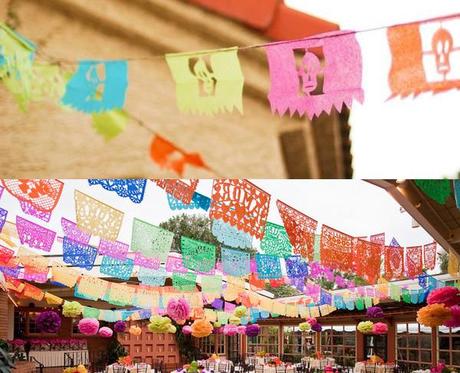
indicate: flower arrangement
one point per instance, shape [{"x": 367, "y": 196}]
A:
[
  {"x": 454, "y": 321},
  {"x": 88, "y": 326},
  {"x": 187, "y": 330},
  {"x": 374, "y": 359},
  {"x": 375, "y": 312},
  {"x": 78, "y": 369},
  {"x": 135, "y": 330},
  {"x": 17, "y": 345},
  {"x": 58, "y": 344},
  {"x": 230, "y": 330},
  {"x": 48, "y": 322},
  {"x": 201, "y": 328},
  {"x": 125, "y": 360},
  {"x": 72, "y": 309},
  {"x": 240, "y": 311},
  {"x": 441, "y": 368},
  {"x": 105, "y": 332},
  {"x": 380, "y": 328},
  {"x": 161, "y": 324},
  {"x": 261, "y": 354},
  {"x": 178, "y": 310},
  {"x": 365, "y": 327},
  {"x": 449, "y": 296},
  {"x": 119, "y": 326},
  {"x": 252, "y": 330},
  {"x": 433, "y": 315}
]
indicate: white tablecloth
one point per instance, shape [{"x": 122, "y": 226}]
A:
[
  {"x": 319, "y": 363},
  {"x": 132, "y": 368},
  {"x": 360, "y": 367},
  {"x": 56, "y": 358},
  {"x": 268, "y": 369}
]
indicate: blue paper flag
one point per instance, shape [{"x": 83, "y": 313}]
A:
[
  {"x": 153, "y": 277},
  {"x": 97, "y": 86},
  {"x": 457, "y": 192},
  {"x": 235, "y": 262},
  {"x": 268, "y": 266},
  {"x": 3, "y": 215},
  {"x": 325, "y": 297},
  {"x": 394, "y": 243},
  {"x": 199, "y": 201},
  {"x": 78, "y": 254},
  {"x": 296, "y": 267},
  {"x": 117, "y": 268},
  {"x": 132, "y": 188},
  {"x": 338, "y": 302}
]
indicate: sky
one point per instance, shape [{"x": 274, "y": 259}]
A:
[{"x": 398, "y": 138}]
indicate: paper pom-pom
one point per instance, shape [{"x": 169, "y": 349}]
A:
[
  {"x": 241, "y": 329},
  {"x": 105, "y": 332},
  {"x": 304, "y": 327},
  {"x": 187, "y": 330},
  {"x": 48, "y": 322},
  {"x": 317, "y": 327},
  {"x": 252, "y": 330},
  {"x": 135, "y": 330},
  {"x": 178, "y": 310},
  {"x": 365, "y": 327},
  {"x": 119, "y": 326},
  {"x": 375, "y": 312},
  {"x": 454, "y": 321},
  {"x": 230, "y": 330},
  {"x": 433, "y": 315},
  {"x": 234, "y": 320},
  {"x": 449, "y": 296},
  {"x": 201, "y": 328},
  {"x": 72, "y": 309},
  {"x": 240, "y": 311},
  {"x": 312, "y": 321},
  {"x": 217, "y": 324},
  {"x": 161, "y": 324},
  {"x": 88, "y": 326},
  {"x": 219, "y": 330},
  {"x": 380, "y": 328}
]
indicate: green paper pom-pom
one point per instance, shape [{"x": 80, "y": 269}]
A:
[
  {"x": 304, "y": 326},
  {"x": 234, "y": 320},
  {"x": 159, "y": 324},
  {"x": 72, "y": 309},
  {"x": 365, "y": 327},
  {"x": 240, "y": 311}
]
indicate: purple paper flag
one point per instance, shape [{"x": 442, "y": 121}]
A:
[
  {"x": 114, "y": 249},
  {"x": 142, "y": 261},
  {"x": 34, "y": 235},
  {"x": 174, "y": 265},
  {"x": 29, "y": 209},
  {"x": 72, "y": 231},
  {"x": 218, "y": 304},
  {"x": 313, "y": 75}
]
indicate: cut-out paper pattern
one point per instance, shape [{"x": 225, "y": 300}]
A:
[
  {"x": 240, "y": 203},
  {"x": 42, "y": 194},
  {"x": 39, "y": 277},
  {"x": 429, "y": 255},
  {"x": 148, "y": 276},
  {"x": 97, "y": 86},
  {"x": 394, "y": 262},
  {"x": 34, "y": 235},
  {"x": 425, "y": 57},
  {"x": 336, "y": 249},
  {"x": 377, "y": 238},
  {"x": 3, "y": 215},
  {"x": 368, "y": 260},
  {"x": 132, "y": 188},
  {"x": 296, "y": 267},
  {"x": 109, "y": 124},
  {"x": 268, "y": 266},
  {"x": 184, "y": 281},
  {"x": 456, "y": 186},
  {"x": 32, "y": 261},
  {"x": 414, "y": 265},
  {"x": 151, "y": 240},
  {"x": 1, "y": 191},
  {"x": 198, "y": 201},
  {"x": 5, "y": 255},
  {"x": 120, "y": 294},
  {"x": 92, "y": 287},
  {"x": 235, "y": 262},
  {"x": 96, "y": 217},
  {"x": 78, "y": 254},
  {"x": 230, "y": 236},
  {"x": 276, "y": 241},
  {"x": 114, "y": 249},
  {"x": 64, "y": 275},
  {"x": 145, "y": 262},
  {"x": 33, "y": 292},
  {"x": 117, "y": 268},
  {"x": 174, "y": 264},
  {"x": 438, "y": 190},
  {"x": 211, "y": 284},
  {"x": 71, "y": 230},
  {"x": 168, "y": 155},
  {"x": 29, "y": 209},
  {"x": 179, "y": 189},
  {"x": 326, "y": 74},
  {"x": 394, "y": 242},
  {"x": 207, "y": 82},
  {"x": 300, "y": 229},
  {"x": 198, "y": 256}
]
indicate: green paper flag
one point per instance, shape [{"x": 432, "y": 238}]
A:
[
  {"x": 211, "y": 284},
  {"x": 316, "y": 248},
  {"x": 196, "y": 255},
  {"x": 90, "y": 312},
  {"x": 439, "y": 190},
  {"x": 359, "y": 302},
  {"x": 207, "y": 82},
  {"x": 395, "y": 292},
  {"x": 276, "y": 241},
  {"x": 368, "y": 302},
  {"x": 184, "y": 281},
  {"x": 110, "y": 124}
]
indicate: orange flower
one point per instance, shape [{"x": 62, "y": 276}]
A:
[
  {"x": 433, "y": 315},
  {"x": 201, "y": 328}
]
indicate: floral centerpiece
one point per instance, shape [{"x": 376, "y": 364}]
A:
[
  {"x": 17, "y": 345},
  {"x": 125, "y": 360},
  {"x": 275, "y": 361},
  {"x": 374, "y": 359},
  {"x": 78, "y": 369},
  {"x": 261, "y": 353},
  {"x": 441, "y": 368},
  {"x": 193, "y": 367}
]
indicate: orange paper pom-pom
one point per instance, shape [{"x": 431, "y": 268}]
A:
[
  {"x": 433, "y": 315},
  {"x": 201, "y": 328},
  {"x": 135, "y": 330}
]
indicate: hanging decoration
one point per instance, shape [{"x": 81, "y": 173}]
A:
[
  {"x": 433, "y": 315},
  {"x": 374, "y": 312},
  {"x": 78, "y": 254},
  {"x": 438, "y": 190},
  {"x": 304, "y": 327},
  {"x": 3, "y": 215},
  {"x": 211, "y": 285},
  {"x": 198, "y": 201},
  {"x": 105, "y": 332},
  {"x": 135, "y": 330},
  {"x": 71, "y": 231},
  {"x": 184, "y": 281},
  {"x": 207, "y": 82},
  {"x": 300, "y": 228},
  {"x": 28, "y": 209},
  {"x": 328, "y": 74},
  {"x": 252, "y": 330},
  {"x": 241, "y": 329},
  {"x": 113, "y": 249},
  {"x": 97, "y": 86},
  {"x": 394, "y": 262},
  {"x": 96, "y": 217},
  {"x": 240, "y": 311},
  {"x": 5, "y": 255},
  {"x": 368, "y": 260},
  {"x": 178, "y": 310},
  {"x": 198, "y": 256},
  {"x": 121, "y": 269},
  {"x": 429, "y": 255},
  {"x": 230, "y": 236},
  {"x": 72, "y": 309},
  {"x": 268, "y": 266},
  {"x": 174, "y": 264},
  {"x": 64, "y": 275},
  {"x": 230, "y": 330},
  {"x": 88, "y": 326},
  {"x": 380, "y": 328},
  {"x": 248, "y": 212},
  {"x": 142, "y": 261},
  {"x": 275, "y": 241},
  {"x": 109, "y": 124},
  {"x": 365, "y": 327},
  {"x": 132, "y": 188},
  {"x": 34, "y": 235},
  {"x": 187, "y": 330},
  {"x": 48, "y": 322},
  {"x": 161, "y": 324},
  {"x": 150, "y": 240},
  {"x": 336, "y": 249},
  {"x": 414, "y": 261},
  {"x": 454, "y": 321},
  {"x": 152, "y": 277},
  {"x": 201, "y": 328},
  {"x": 448, "y": 295},
  {"x": 235, "y": 262}
]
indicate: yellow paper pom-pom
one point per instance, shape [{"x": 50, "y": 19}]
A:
[
  {"x": 135, "y": 330},
  {"x": 159, "y": 324},
  {"x": 240, "y": 311},
  {"x": 201, "y": 328},
  {"x": 72, "y": 309},
  {"x": 433, "y": 315},
  {"x": 365, "y": 327},
  {"x": 304, "y": 327},
  {"x": 234, "y": 320}
]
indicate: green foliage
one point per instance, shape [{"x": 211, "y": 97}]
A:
[
  {"x": 187, "y": 349},
  {"x": 115, "y": 351},
  {"x": 443, "y": 261},
  {"x": 282, "y": 291},
  {"x": 6, "y": 364}
]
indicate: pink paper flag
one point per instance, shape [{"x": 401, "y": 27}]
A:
[
  {"x": 313, "y": 75},
  {"x": 229, "y": 307},
  {"x": 142, "y": 261},
  {"x": 174, "y": 264},
  {"x": 34, "y": 235}
]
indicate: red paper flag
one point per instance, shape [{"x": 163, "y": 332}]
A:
[
  {"x": 394, "y": 262},
  {"x": 179, "y": 189},
  {"x": 336, "y": 249},
  {"x": 367, "y": 260},
  {"x": 414, "y": 261},
  {"x": 429, "y": 255}
]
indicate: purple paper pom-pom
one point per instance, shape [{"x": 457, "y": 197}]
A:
[
  {"x": 374, "y": 312},
  {"x": 48, "y": 322},
  {"x": 119, "y": 326},
  {"x": 252, "y": 330},
  {"x": 316, "y": 327}
]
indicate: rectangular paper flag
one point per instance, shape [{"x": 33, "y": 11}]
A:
[{"x": 150, "y": 240}]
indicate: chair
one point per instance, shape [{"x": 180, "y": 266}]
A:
[
  {"x": 118, "y": 369},
  {"x": 370, "y": 368},
  {"x": 142, "y": 368},
  {"x": 259, "y": 369},
  {"x": 280, "y": 369}
]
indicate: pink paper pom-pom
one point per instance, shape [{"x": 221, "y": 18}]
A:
[
  {"x": 454, "y": 321},
  {"x": 380, "y": 328},
  {"x": 187, "y": 329},
  {"x": 178, "y": 309},
  {"x": 312, "y": 321},
  {"x": 105, "y": 332},
  {"x": 448, "y": 295},
  {"x": 241, "y": 329},
  {"x": 230, "y": 330},
  {"x": 88, "y": 326}
]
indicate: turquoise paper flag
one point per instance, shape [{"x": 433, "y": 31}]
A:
[{"x": 207, "y": 82}]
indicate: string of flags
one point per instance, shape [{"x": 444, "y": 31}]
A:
[{"x": 307, "y": 76}]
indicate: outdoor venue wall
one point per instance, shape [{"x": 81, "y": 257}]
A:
[{"x": 4, "y": 318}]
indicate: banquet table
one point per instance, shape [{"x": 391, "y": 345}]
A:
[
  {"x": 24, "y": 367},
  {"x": 319, "y": 363},
  {"x": 272, "y": 369},
  {"x": 142, "y": 367},
  {"x": 360, "y": 367},
  {"x": 56, "y": 358}
]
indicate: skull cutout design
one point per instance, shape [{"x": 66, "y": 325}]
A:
[
  {"x": 202, "y": 70},
  {"x": 309, "y": 70},
  {"x": 442, "y": 44}
]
